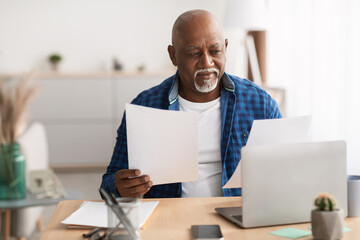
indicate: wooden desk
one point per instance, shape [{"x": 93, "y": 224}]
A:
[{"x": 172, "y": 219}]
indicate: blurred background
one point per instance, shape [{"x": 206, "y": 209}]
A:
[
  {"x": 306, "y": 52},
  {"x": 312, "y": 47}
]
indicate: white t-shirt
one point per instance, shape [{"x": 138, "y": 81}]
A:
[{"x": 210, "y": 168}]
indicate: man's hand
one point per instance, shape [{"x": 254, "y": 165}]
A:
[{"x": 129, "y": 183}]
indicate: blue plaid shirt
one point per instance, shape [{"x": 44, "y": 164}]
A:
[{"x": 241, "y": 103}]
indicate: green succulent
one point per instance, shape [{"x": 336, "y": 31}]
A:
[
  {"x": 55, "y": 58},
  {"x": 325, "y": 202}
]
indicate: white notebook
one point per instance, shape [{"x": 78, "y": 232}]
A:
[{"x": 95, "y": 214}]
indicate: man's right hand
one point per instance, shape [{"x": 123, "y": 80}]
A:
[{"x": 130, "y": 183}]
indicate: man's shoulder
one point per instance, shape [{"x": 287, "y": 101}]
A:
[
  {"x": 155, "y": 95},
  {"x": 253, "y": 95},
  {"x": 245, "y": 86}
]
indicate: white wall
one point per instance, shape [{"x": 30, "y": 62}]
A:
[
  {"x": 314, "y": 52},
  {"x": 89, "y": 33}
]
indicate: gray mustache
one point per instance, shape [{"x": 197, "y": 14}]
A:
[{"x": 207, "y": 70}]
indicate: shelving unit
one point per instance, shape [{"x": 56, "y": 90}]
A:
[{"x": 82, "y": 112}]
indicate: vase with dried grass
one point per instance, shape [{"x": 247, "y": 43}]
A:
[{"x": 15, "y": 97}]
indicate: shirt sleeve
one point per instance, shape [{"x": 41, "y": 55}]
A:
[
  {"x": 118, "y": 161},
  {"x": 272, "y": 109}
]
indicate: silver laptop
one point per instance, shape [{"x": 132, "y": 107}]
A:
[{"x": 280, "y": 182}]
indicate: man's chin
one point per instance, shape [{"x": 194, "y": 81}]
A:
[
  {"x": 206, "y": 81},
  {"x": 206, "y": 87}
]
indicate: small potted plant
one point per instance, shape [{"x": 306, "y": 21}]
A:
[
  {"x": 55, "y": 60},
  {"x": 326, "y": 219}
]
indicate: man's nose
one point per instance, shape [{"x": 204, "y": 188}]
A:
[{"x": 206, "y": 61}]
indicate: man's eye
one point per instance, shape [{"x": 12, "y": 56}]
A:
[
  {"x": 195, "y": 54},
  {"x": 214, "y": 52}
]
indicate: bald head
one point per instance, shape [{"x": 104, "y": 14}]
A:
[{"x": 194, "y": 20}]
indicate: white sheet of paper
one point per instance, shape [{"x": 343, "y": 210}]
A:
[
  {"x": 163, "y": 144},
  {"x": 277, "y": 131},
  {"x": 273, "y": 131},
  {"x": 95, "y": 214},
  {"x": 235, "y": 180}
]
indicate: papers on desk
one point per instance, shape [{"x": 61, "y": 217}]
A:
[
  {"x": 162, "y": 144},
  {"x": 95, "y": 214},
  {"x": 273, "y": 131}
]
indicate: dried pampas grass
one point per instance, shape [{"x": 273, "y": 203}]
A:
[{"x": 15, "y": 98}]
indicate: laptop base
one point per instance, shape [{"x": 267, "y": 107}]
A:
[{"x": 234, "y": 214}]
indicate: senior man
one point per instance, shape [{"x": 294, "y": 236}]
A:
[{"x": 226, "y": 104}]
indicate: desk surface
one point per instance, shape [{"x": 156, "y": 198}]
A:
[{"x": 172, "y": 219}]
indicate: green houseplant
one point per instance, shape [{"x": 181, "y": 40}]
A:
[
  {"x": 55, "y": 60},
  {"x": 15, "y": 97},
  {"x": 326, "y": 219}
]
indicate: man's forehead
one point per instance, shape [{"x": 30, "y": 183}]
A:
[
  {"x": 191, "y": 26},
  {"x": 194, "y": 46}
]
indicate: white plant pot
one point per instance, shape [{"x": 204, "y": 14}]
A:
[
  {"x": 327, "y": 225},
  {"x": 55, "y": 66}
]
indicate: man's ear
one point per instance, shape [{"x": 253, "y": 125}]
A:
[{"x": 171, "y": 51}]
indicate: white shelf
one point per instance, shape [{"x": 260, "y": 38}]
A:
[
  {"x": 82, "y": 111},
  {"x": 92, "y": 75}
]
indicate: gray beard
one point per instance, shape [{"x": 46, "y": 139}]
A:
[{"x": 207, "y": 87}]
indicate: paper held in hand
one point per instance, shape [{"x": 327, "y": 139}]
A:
[
  {"x": 162, "y": 144},
  {"x": 270, "y": 132}
]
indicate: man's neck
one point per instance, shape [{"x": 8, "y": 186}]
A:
[{"x": 195, "y": 96}]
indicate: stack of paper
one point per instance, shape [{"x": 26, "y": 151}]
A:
[{"x": 95, "y": 214}]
